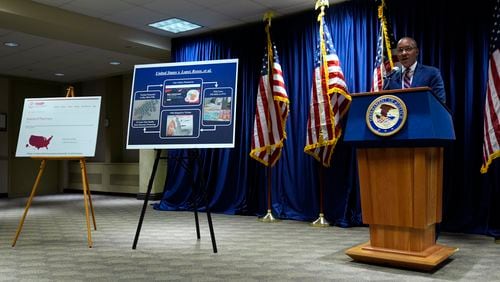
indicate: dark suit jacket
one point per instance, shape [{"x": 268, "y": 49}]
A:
[{"x": 422, "y": 76}]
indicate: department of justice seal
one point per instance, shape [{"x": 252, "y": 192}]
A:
[{"x": 386, "y": 115}]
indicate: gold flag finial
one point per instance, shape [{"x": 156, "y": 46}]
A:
[
  {"x": 321, "y": 3},
  {"x": 268, "y": 16},
  {"x": 381, "y": 8},
  {"x": 70, "y": 91}
]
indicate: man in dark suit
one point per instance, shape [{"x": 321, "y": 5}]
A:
[{"x": 413, "y": 74}]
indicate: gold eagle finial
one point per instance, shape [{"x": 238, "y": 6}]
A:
[
  {"x": 321, "y": 3},
  {"x": 268, "y": 16}
]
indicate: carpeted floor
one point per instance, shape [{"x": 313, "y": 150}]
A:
[{"x": 53, "y": 247}]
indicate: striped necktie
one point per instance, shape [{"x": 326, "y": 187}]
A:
[{"x": 407, "y": 78}]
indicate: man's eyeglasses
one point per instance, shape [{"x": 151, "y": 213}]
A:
[{"x": 407, "y": 49}]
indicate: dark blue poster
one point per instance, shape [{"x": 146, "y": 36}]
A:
[{"x": 183, "y": 105}]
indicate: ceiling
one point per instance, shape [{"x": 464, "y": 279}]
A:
[{"x": 79, "y": 38}]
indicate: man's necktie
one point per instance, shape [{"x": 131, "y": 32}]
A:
[{"x": 407, "y": 78}]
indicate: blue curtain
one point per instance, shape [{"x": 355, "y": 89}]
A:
[{"x": 455, "y": 42}]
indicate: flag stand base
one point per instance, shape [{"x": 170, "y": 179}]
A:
[
  {"x": 269, "y": 217},
  {"x": 320, "y": 222}
]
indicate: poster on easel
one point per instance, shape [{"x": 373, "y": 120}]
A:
[
  {"x": 59, "y": 127},
  {"x": 183, "y": 105}
]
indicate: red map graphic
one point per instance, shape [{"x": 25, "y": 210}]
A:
[{"x": 39, "y": 141}]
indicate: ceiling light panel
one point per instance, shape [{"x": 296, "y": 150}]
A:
[{"x": 174, "y": 25}]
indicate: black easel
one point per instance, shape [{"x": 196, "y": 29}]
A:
[{"x": 193, "y": 155}]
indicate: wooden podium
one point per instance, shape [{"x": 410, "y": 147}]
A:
[{"x": 401, "y": 180}]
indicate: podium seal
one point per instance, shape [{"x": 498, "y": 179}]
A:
[{"x": 386, "y": 115}]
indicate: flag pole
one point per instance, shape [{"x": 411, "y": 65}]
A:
[
  {"x": 382, "y": 31},
  {"x": 321, "y": 220},
  {"x": 269, "y": 217},
  {"x": 385, "y": 39}
]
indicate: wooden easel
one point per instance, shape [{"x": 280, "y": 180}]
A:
[{"x": 86, "y": 190}]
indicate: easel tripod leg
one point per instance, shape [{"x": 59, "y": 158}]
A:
[
  {"x": 90, "y": 197},
  {"x": 211, "y": 227},
  {"x": 197, "y": 222},
  {"x": 194, "y": 155},
  {"x": 146, "y": 199},
  {"x": 91, "y": 207},
  {"x": 86, "y": 201},
  {"x": 201, "y": 183},
  {"x": 28, "y": 204},
  {"x": 209, "y": 219}
]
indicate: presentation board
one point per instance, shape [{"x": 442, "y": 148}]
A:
[
  {"x": 59, "y": 127},
  {"x": 183, "y": 105}
]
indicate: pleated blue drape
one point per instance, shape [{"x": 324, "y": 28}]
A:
[{"x": 455, "y": 42}]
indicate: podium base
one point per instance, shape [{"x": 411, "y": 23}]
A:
[
  {"x": 426, "y": 260},
  {"x": 320, "y": 222},
  {"x": 268, "y": 217}
]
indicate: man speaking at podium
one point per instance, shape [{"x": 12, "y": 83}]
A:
[{"x": 413, "y": 74}]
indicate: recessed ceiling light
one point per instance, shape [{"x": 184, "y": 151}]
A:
[
  {"x": 175, "y": 25},
  {"x": 11, "y": 44},
  {"x": 114, "y": 63},
  {"x": 59, "y": 74}
]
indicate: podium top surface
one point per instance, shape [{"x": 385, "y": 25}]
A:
[{"x": 428, "y": 121}]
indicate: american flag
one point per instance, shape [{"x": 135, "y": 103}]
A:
[
  {"x": 384, "y": 58},
  {"x": 330, "y": 100},
  {"x": 271, "y": 111},
  {"x": 491, "y": 147},
  {"x": 382, "y": 65}
]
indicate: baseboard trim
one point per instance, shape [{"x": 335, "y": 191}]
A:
[
  {"x": 152, "y": 197},
  {"x": 4, "y": 195},
  {"x": 138, "y": 196},
  {"x": 79, "y": 191}
]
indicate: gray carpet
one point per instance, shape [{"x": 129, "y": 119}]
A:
[{"x": 53, "y": 247}]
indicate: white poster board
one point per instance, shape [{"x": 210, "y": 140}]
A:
[{"x": 59, "y": 127}]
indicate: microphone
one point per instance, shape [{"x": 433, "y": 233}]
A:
[
  {"x": 392, "y": 72},
  {"x": 388, "y": 76}
]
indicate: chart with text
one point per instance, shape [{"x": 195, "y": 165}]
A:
[{"x": 183, "y": 105}]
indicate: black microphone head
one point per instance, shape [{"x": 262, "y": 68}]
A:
[
  {"x": 388, "y": 76},
  {"x": 392, "y": 72}
]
